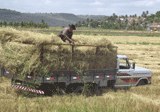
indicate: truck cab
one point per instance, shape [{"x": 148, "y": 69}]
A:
[{"x": 129, "y": 74}]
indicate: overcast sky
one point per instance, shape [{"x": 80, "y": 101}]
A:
[{"x": 85, "y": 7}]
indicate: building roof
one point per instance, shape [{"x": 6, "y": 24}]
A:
[{"x": 155, "y": 25}]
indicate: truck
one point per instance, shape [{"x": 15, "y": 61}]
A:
[
  {"x": 121, "y": 73},
  {"x": 129, "y": 74}
]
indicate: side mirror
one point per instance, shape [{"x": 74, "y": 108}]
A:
[{"x": 133, "y": 65}]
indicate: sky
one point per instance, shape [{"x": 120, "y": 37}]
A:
[{"x": 83, "y": 7}]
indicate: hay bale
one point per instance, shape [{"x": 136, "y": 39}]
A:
[
  {"x": 18, "y": 58},
  {"x": 26, "y": 37},
  {"x": 21, "y": 53}
]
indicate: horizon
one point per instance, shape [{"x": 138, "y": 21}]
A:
[
  {"x": 70, "y": 13},
  {"x": 88, "y": 7}
]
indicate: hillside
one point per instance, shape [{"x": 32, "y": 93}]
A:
[
  {"x": 52, "y": 19},
  {"x": 95, "y": 17}
]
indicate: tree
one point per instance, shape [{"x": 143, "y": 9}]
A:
[
  {"x": 43, "y": 24},
  {"x": 94, "y": 24},
  {"x": 144, "y": 14},
  {"x": 16, "y": 24},
  {"x": 22, "y": 24},
  {"x": 147, "y": 12},
  {"x": 135, "y": 15},
  {"x": 5, "y": 23},
  {"x": 132, "y": 22},
  {"x": 78, "y": 24},
  {"x": 10, "y": 24},
  {"x": 0, "y": 24}
]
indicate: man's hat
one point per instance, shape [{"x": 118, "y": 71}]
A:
[{"x": 72, "y": 26}]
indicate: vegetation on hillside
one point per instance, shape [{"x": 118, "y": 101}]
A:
[
  {"x": 52, "y": 19},
  {"x": 22, "y": 24},
  {"x": 125, "y": 22}
]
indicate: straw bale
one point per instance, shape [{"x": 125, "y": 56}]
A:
[
  {"x": 21, "y": 53},
  {"x": 26, "y": 37}
]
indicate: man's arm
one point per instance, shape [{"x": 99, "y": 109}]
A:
[
  {"x": 65, "y": 31},
  {"x": 70, "y": 40}
]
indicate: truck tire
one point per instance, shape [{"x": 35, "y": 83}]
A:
[
  {"x": 75, "y": 88},
  {"x": 142, "y": 82},
  {"x": 47, "y": 88},
  {"x": 79, "y": 89},
  {"x": 93, "y": 89},
  {"x": 97, "y": 90},
  {"x": 111, "y": 84}
]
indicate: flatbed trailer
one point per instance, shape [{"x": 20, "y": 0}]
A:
[
  {"x": 72, "y": 80},
  {"x": 121, "y": 74}
]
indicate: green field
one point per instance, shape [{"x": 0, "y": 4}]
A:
[
  {"x": 93, "y": 31},
  {"x": 142, "y": 47}
]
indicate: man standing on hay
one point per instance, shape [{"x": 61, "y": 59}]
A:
[{"x": 67, "y": 33}]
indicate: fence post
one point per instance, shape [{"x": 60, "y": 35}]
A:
[
  {"x": 41, "y": 50},
  {"x": 97, "y": 50},
  {"x": 72, "y": 51},
  {"x": 0, "y": 71}
]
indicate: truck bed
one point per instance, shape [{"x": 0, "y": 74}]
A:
[{"x": 100, "y": 77}]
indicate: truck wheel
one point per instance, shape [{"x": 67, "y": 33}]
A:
[
  {"x": 74, "y": 88},
  {"x": 111, "y": 84},
  {"x": 88, "y": 90},
  {"x": 93, "y": 89},
  {"x": 97, "y": 91},
  {"x": 78, "y": 90},
  {"x": 141, "y": 82},
  {"x": 47, "y": 88}
]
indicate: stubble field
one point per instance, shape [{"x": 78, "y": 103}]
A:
[{"x": 145, "y": 51}]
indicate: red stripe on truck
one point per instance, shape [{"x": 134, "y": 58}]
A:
[
  {"x": 122, "y": 74},
  {"x": 131, "y": 80}
]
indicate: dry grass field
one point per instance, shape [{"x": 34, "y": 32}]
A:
[{"x": 145, "y": 51}]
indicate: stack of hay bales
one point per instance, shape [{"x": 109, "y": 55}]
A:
[{"x": 21, "y": 53}]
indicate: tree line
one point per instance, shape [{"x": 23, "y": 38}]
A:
[
  {"x": 131, "y": 22},
  {"x": 23, "y": 24}
]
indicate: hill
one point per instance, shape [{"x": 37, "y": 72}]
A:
[
  {"x": 94, "y": 17},
  {"x": 52, "y": 19}
]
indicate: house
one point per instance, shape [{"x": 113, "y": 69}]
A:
[{"x": 154, "y": 27}]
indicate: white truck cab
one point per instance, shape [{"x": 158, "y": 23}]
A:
[{"x": 130, "y": 75}]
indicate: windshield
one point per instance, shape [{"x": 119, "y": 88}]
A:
[{"x": 124, "y": 64}]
